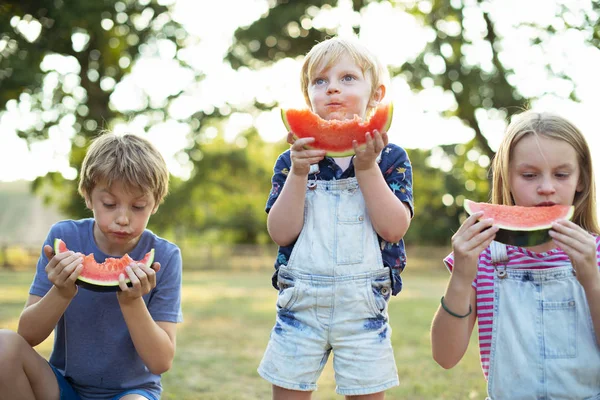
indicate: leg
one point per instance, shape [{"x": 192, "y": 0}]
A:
[
  {"x": 372, "y": 396},
  {"x": 280, "y": 393},
  {"x": 24, "y": 374}
]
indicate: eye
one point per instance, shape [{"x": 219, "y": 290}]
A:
[
  {"x": 562, "y": 175},
  {"x": 319, "y": 81},
  {"x": 528, "y": 175},
  {"x": 348, "y": 78},
  {"x": 139, "y": 208},
  {"x": 108, "y": 205}
]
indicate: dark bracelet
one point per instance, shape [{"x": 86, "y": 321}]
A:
[{"x": 453, "y": 313}]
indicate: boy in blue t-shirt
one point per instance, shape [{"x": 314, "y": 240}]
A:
[{"x": 106, "y": 346}]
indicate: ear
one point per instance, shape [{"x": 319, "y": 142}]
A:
[
  {"x": 377, "y": 96},
  {"x": 154, "y": 210}
]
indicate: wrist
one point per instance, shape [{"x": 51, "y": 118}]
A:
[
  {"x": 592, "y": 283},
  {"x": 66, "y": 293}
]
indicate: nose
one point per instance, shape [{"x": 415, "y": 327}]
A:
[
  {"x": 546, "y": 187},
  {"x": 123, "y": 217},
  {"x": 333, "y": 88}
]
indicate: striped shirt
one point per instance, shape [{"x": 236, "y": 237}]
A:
[{"x": 518, "y": 257}]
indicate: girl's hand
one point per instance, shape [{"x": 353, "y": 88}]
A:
[
  {"x": 143, "y": 280},
  {"x": 580, "y": 246},
  {"x": 468, "y": 242},
  {"x": 63, "y": 270},
  {"x": 365, "y": 158},
  {"x": 301, "y": 157}
]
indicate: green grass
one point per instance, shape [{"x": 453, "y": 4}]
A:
[{"x": 228, "y": 317}]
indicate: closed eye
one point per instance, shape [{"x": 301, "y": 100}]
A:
[{"x": 107, "y": 205}]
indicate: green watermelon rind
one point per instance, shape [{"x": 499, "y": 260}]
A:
[
  {"x": 390, "y": 114},
  {"x": 523, "y": 236},
  {"x": 101, "y": 286}
]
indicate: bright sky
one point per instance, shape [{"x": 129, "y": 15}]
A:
[{"x": 416, "y": 121}]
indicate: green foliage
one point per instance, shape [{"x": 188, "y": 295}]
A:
[{"x": 66, "y": 74}]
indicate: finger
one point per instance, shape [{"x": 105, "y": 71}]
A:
[
  {"x": 290, "y": 138},
  {"x": 156, "y": 266},
  {"x": 48, "y": 251},
  {"x": 369, "y": 142},
  {"x": 385, "y": 138},
  {"x": 64, "y": 274},
  {"x": 75, "y": 274},
  {"x": 300, "y": 143},
  {"x": 123, "y": 283},
  {"x": 150, "y": 275},
  {"x": 470, "y": 221},
  {"x": 135, "y": 281},
  {"x": 377, "y": 141}
]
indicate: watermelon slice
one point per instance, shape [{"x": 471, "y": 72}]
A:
[
  {"x": 336, "y": 136},
  {"x": 103, "y": 277},
  {"x": 521, "y": 226}
]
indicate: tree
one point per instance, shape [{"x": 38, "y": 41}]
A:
[{"x": 62, "y": 60}]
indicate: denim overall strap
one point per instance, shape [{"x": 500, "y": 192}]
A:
[
  {"x": 337, "y": 238},
  {"x": 543, "y": 343}
]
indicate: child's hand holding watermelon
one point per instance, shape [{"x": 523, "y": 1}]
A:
[
  {"x": 63, "y": 270},
  {"x": 143, "y": 280},
  {"x": 366, "y": 157}
]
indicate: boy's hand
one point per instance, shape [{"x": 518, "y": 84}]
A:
[
  {"x": 580, "y": 246},
  {"x": 63, "y": 270},
  {"x": 301, "y": 157},
  {"x": 365, "y": 158},
  {"x": 143, "y": 280},
  {"x": 468, "y": 242}
]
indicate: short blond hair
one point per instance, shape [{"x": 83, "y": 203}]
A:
[
  {"x": 129, "y": 159},
  {"x": 325, "y": 53},
  {"x": 553, "y": 126}
]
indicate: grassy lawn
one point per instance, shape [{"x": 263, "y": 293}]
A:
[{"x": 228, "y": 317}]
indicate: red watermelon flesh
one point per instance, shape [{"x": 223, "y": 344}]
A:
[
  {"x": 336, "y": 136},
  {"x": 521, "y": 226},
  {"x": 103, "y": 277}
]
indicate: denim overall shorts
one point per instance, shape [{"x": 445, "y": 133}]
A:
[
  {"x": 333, "y": 296},
  {"x": 543, "y": 342}
]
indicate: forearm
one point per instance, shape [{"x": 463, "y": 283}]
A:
[
  {"x": 286, "y": 217},
  {"x": 389, "y": 216},
  {"x": 152, "y": 343},
  {"x": 450, "y": 335},
  {"x": 39, "y": 319},
  {"x": 592, "y": 294}
]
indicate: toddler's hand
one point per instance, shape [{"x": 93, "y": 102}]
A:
[
  {"x": 63, "y": 270},
  {"x": 468, "y": 242},
  {"x": 143, "y": 280},
  {"x": 580, "y": 246},
  {"x": 365, "y": 158},
  {"x": 301, "y": 157}
]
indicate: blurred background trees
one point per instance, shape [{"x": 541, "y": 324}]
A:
[{"x": 62, "y": 60}]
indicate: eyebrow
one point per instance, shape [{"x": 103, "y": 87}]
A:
[
  {"x": 141, "y": 197},
  {"x": 561, "y": 166}
]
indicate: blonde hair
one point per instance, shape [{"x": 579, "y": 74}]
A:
[
  {"x": 327, "y": 52},
  {"x": 552, "y": 126},
  {"x": 127, "y": 158}
]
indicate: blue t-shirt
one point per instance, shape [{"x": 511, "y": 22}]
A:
[
  {"x": 397, "y": 171},
  {"x": 92, "y": 345}
]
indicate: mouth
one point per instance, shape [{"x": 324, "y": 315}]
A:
[
  {"x": 120, "y": 234},
  {"x": 545, "y": 204}
]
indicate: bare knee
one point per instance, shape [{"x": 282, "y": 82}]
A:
[{"x": 11, "y": 345}]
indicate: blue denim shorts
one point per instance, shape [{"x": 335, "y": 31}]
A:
[
  {"x": 346, "y": 315},
  {"x": 68, "y": 393}
]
